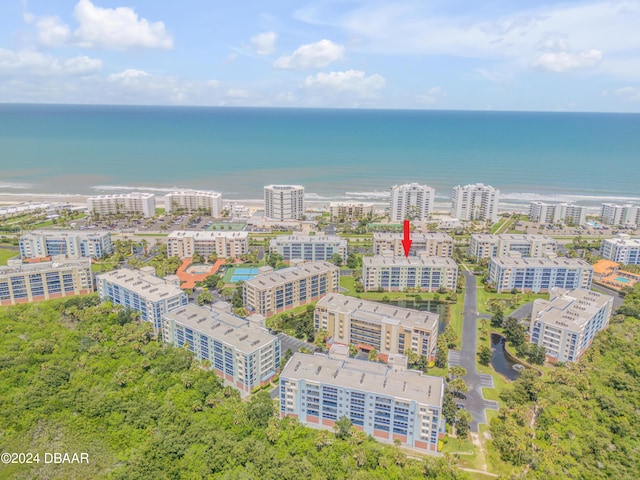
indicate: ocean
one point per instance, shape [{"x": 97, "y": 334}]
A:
[{"x": 586, "y": 158}]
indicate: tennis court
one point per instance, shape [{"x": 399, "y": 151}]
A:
[{"x": 243, "y": 274}]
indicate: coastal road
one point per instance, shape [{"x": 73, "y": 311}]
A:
[{"x": 475, "y": 403}]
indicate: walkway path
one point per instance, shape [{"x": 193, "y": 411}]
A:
[{"x": 475, "y": 403}]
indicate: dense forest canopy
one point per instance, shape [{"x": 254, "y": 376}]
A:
[{"x": 78, "y": 376}]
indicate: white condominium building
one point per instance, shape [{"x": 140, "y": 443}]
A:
[
  {"x": 193, "y": 201},
  {"x": 275, "y": 291},
  {"x": 566, "y": 324},
  {"x": 311, "y": 248},
  {"x": 411, "y": 201},
  {"x": 244, "y": 355},
  {"x": 484, "y": 245},
  {"x": 428, "y": 244},
  {"x": 350, "y": 211},
  {"x": 386, "y": 328},
  {"x": 475, "y": 202},
  {"x": 541, "y": 212},
  {"x": 624, "y": 215},
  {"x": 70, "y": 243},
  {"x": 538, "y": 275},
  {"x": 284, "y": 202},
  {"x": 622, "y": 249},
  {"x": 396, "y": 273},
  {"x": 33, "y": 282},
  {"x": 125, "y": 203},
  {"x": 388, "y": 402},
  {"x": 184, "y": 243},
  {"x": 142, "y": 291}
]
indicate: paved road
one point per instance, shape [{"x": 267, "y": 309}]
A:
[
  {"x": 466, "y": 357},
  {"x": 289, "y": 342}
]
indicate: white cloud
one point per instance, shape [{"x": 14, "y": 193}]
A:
[
  {"x": 237, "y": 93},
  {"x": 312, "y": 56},
  {"x": 631, "y": 94},
  {"x": 37, "y": 64},
  {"x": 264, "y": 43},
  {"x": 352, "y": 82},
  {"x": 109, "y": 28},
  {"x": 127, "y": 75},
  {"x": 431, "y": 96},
  {"x": 567, "y": 61}
]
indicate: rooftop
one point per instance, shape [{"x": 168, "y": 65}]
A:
[
  {"x": 286, "y": 275},
  {"x": 379, "y": 313},
  {"x": 603, "y": 266},
  {"x": 540, "y": 262},
  {"x": 624, "y": 240},
  {"x": 399, "y": 261},
  {"x": 67, "y": 233},
  {"x": 147, "y": 286},
  {"x": 224, "y": 326},
  {"x": 309, "y": 238},
  {"x": 409, "y": 385},
  {"x": 415, "y": 237},
  {"x": 44, "y": 266},
  {"x": 123, "y": 195},
  {"x": 202, "y": 193},
  {"x": 512, "y": 237},
  {"x": 207, "y": 234},
  {"x": 571, "y": 309}
]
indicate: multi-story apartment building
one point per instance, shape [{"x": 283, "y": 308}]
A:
[
  {"x": 72, "y": 244},
  {"x": 428, "y": 244},
  {"x": 396, "y": 273},
  {"x": 484, "y": 245},
  {"x": 386, "y": 328},
  {"x": 312, "y": 248},
  {"x": 475, "y": 202},
  {"x": 192, "y": 201},
  {"x": 33, "y": 282},
  {"x": 184, "y": 243},
  {"x": 622, "y": 249},
  {"x": 411, "y": 201},
  {"x": 541, "y": 212},
  {"x": 142, "y": 291},
  {"x": 623, "y": 215},
  {"x": 125, "y": 203},
  {"x": 243, "y": 355},
  {"x": 566, "y": 324},
  {"x": 275, "y": 291},
  {"x": 539, "y": 274},
  {"x": 390, "y": 403},
  {"x": 350, "y": 211},
  {"x": 284, "y": 202}
]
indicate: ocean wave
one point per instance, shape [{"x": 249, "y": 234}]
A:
[
  {"x": 135, "y": 188},
  {"x": 17, "y": 186},
  {"x": 376, "y": 194},
  {"x": 565, "y": 198}
]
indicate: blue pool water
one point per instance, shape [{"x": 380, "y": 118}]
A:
[
  {"x": 622, "y": 280},
  {"x": 243, "y": 274}
]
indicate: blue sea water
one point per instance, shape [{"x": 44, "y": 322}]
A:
[{"x": 587, "y": 158}]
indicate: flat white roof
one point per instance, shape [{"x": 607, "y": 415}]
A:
[
  {"x": 513, "y": 237},
  {"x": 309, "y": 239},
  {"x": 557, "y": 262},
  {"x": 147, "y": 286},
  {"x": 207, "y": 234},
  {"x": 379, "y": 313},
  {"x": 235, "y": 331},
  {"x": 416, "y": 237},
  {"x": 44, "y": 266},
  {"x": 571, "y": 309},
  {"x": 377, "y": 378},
  {"x": 290, "y": 274},
  {"x": 402, "y": 261}
]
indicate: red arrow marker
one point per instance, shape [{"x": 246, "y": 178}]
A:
[{"x": 406, "y": 241}]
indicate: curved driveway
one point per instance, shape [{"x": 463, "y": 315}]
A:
[{"x": 466, "y": 357}]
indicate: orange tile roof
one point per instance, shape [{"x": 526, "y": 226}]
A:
[{"x": 604, "y": 266}]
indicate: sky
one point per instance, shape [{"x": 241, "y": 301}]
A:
[{"x": 416, "y": 54}]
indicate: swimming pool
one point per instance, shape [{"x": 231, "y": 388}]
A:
[{"x": 622, "y": 280}]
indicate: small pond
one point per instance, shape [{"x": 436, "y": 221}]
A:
[{"x": 499, "y": 360}]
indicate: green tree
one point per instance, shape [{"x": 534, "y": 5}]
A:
[
  {"x": 336, "y": 259},
  {"x": 462, "y": 424},
  {"x": 458, "y": 386},
  {"x": 342, "y": 427},
  {"x": 285, "y": 358},
  {"x": 205, "y": 297},
  {"x": 457, "y": 371},
  {"x": 260, "y": 409},
  {"x": 373, "y": 355},
  {"x": 442, "y": 354},
  {"x": 484, "y": 355}
]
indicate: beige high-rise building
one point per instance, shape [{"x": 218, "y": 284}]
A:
[
  {"x": 350, "y": 211},
  {"x": 475, "y": 202},
  {"x": 194, "y": 200},
  {"x": 275, "y": 291},
  {"x": 484, "y": 245},
  {"x": 125, "y": 203},
  {"x": 395, "y": 273},
  {"x": 184, "y": 243},
  {"x": 430, "y": 244},
  {"x": 284, "y": 202},
  {"x": 386, "y": 328}
]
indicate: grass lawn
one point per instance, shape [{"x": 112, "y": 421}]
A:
[
  {"x": 6, "y": 254},
  {"x": 456, "y": 318},
  {"x": 151, "y": 234},
  {"x": 497, "y": 226},
  {"x": 294, "y": 311},
  {"x": 482, "y": 297},
  {"x": 349, "y": 284}
]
